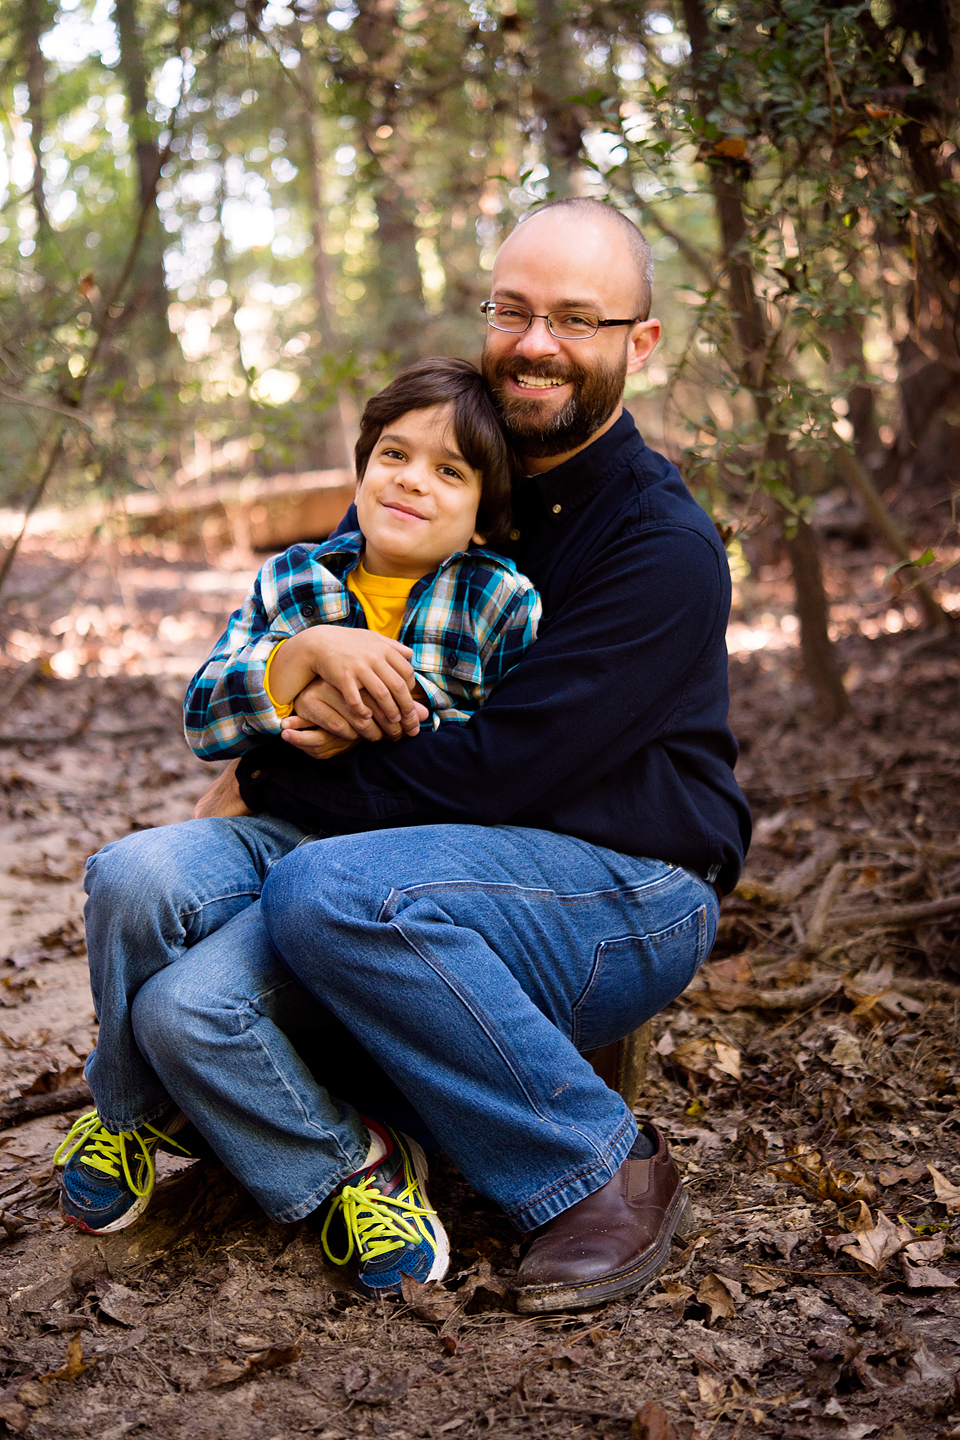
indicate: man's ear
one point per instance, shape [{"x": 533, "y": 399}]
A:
[{"x": 641, "y": 344}]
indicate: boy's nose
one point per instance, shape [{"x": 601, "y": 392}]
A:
[{"x": 412, "y": 477}]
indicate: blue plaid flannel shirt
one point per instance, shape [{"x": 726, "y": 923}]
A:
[{"x": 468, "y": 624}]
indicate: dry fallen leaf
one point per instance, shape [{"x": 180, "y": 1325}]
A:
[
  {"x": 720, "y": 1295},
  {"x": 875, "y": 1247},
  {"x": 225, "y": 1372},
  {"x": 652, "y": 1422},
  {"x": 74, "y": 1362},
  {"x": 14, "y": 1415},
  {"x": 728, "y": 1059},
  {"x": 483, "y": 1281},
  {"x": 430, "y": 1301},
  {"x": 372, "y": 1388},
  {"x": 673, "y": 1296},
  {"x": 121, "y": 1304},
  {"x": 761, "y": 1282},
  {"x": 924, "y": 1277},
  {"x": 711, "y": 1388},
  {"x": 947, "y": 1193},
  {"x": 893, "y": 1174},
  {"x": 923, "y": 1251}
]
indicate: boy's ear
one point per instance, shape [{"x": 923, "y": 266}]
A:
[{"x": 478, "y": 539}]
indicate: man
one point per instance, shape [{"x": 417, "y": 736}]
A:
[{"x": 490, "y": 904}]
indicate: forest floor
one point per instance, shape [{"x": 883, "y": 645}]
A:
[{"x": 807, "y": 1081}]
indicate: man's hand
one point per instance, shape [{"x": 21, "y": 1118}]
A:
[
  {"x": 222, "y": 797},
  {"x": 320, "y": 744}
]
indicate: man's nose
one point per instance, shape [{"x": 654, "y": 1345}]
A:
[{"x": 537, "y": 342}]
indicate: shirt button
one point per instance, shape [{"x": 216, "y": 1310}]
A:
[
  {"x": 308, "y": 610},
  {"x": 557, "y": 509},
  {"x": 255, "y": 774},
  {"x": 514, "y": 534}
]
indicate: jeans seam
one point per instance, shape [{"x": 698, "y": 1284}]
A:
[
  {"x": 450, "y": 981},
  {"x": 529, "y": 892},
  {"x": 558, "y": 1186},
  {"x": 215, "y": 900}
]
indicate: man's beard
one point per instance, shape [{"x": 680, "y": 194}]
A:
[{"x": 527, "y": 424}]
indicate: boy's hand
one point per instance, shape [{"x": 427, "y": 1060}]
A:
[
  {"x": 322, "y": 705},
  {"x": 372, "y": 673}
]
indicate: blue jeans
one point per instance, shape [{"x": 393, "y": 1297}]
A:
[{"x": 473, "y": 964}]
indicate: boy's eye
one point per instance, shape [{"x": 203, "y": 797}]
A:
[
  {"x": 393, "y": 454},
  {"x": 449, "y": 471}
]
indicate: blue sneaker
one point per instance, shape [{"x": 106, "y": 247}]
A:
[
  {"x": 107, "y": 1179},
  {"x": 389, "y": 1222}
]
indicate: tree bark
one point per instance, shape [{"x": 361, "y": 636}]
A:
[
  {"x": 751, "y": 333},
  {"x": 150, "y": 288},
  {"x": 34, "y": 16},
  {"x": 556, "y": 80}
]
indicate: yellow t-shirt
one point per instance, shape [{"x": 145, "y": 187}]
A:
[
  {"x": 383, "y": 598},
  {"x": 384, "y": 601}
]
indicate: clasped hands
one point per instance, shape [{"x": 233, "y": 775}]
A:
[{"x": 361, "y": 687}]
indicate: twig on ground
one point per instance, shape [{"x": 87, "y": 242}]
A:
[
  {"x": 54, "y": 1102},
  {"x": 897, "y": 914}
]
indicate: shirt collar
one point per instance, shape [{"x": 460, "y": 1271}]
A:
[{"x": 568, "y": 486}]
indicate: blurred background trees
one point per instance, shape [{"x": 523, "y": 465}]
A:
[{"x": 222, "y": 226}]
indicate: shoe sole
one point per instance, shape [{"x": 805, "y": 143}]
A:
[
  {"x": 441, "y": 1262},
  {"x": 544, "y": 1299},
  {"x": 441, "y": 1259},
  {"x": 127, "y": 1218}
]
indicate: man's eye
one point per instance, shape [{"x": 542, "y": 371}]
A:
[
  {"x": 575, "y": 321},
  {"x": 510, "y": 312}
]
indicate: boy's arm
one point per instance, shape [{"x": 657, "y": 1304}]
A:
[{"x": 227, "y": 707}]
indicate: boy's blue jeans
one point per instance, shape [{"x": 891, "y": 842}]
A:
[{"x": 473, "y": 963}]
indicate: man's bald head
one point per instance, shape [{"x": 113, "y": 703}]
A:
[{"x": 582, "y": 207}]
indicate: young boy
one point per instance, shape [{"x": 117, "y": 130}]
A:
[
  {"x": 432, "y": 480},
  {"x": 412, "y": 599}
]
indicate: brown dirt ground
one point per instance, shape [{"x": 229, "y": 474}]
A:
[{"x": 807, "y": 1080}]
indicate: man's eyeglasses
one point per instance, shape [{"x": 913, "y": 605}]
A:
[{"x": 562, "y": 324}]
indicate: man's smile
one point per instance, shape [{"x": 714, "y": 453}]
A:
[{"x": 534, "y": 382}]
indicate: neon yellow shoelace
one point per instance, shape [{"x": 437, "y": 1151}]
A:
[
  {"x": 376, "y": 1223},
  {"x": 107, "y": 1153}
]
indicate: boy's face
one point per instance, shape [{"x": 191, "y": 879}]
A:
[{"x": 417, "y": 502}]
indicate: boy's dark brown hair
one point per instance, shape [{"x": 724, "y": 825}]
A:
[{"x": 445, "y": 380}]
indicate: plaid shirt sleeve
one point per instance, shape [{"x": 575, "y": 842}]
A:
[
  {"x": 481, "y": 621},
  {"x": 227, "y": 709}
]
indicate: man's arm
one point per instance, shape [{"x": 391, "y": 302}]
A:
[{"x": 605, "y": 676}]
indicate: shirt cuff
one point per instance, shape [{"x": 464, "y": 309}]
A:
[{"x": 282, "y": 710}]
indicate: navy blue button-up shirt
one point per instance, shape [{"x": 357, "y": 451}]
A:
[{"x": 613, "y": 727}]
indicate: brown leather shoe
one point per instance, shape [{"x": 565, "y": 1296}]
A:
[{"x": 612, "y": 1242}]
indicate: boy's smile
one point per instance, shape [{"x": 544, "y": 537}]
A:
[{"x": 417, "y": 502}]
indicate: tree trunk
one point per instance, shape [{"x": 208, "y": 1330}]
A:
[
  {"x": 751, "y": 333},
  {"x": 556, "y": 79},
  {"x": 334, "y": 435},
  {"x": 35, "y": 14}
]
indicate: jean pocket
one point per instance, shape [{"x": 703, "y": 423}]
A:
[{"x": 635, "y": 976}]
